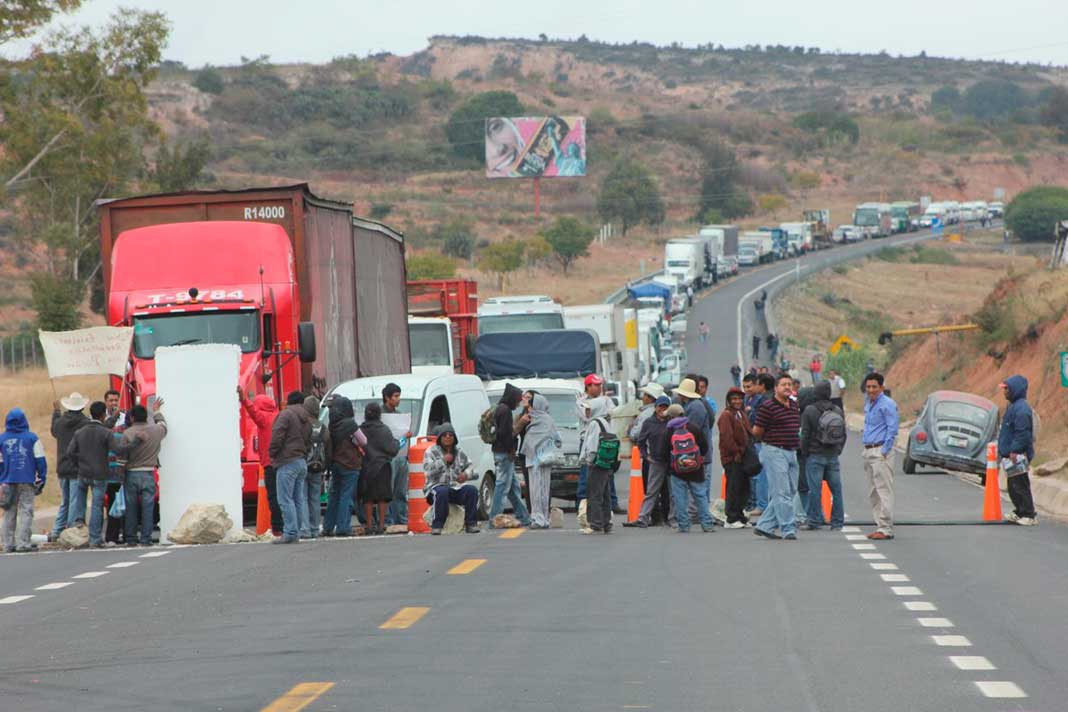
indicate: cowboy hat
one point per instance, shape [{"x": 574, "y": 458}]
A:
[
  {"x": 75, "y": 401},
  {"x": 653, "y": 390},
  {"x": 687, "y": 389}
]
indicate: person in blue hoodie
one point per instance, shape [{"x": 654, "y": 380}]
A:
[
  {"x": 1015, "y": 442},
  {"x": 22, "y": 469}
]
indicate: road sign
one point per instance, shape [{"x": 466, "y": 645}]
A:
[
  {"x": 1064, "y": 368},
  {"x": 843, "y": 341},
  {"x": 936, "y": 226}
]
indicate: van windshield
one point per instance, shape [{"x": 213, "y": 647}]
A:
[
  {"x": 430, "y": 344},
  {"x": 239, "y": 328}
]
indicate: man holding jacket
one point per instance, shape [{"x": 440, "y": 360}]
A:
[
  {"x": 1016, "y": 442},
  {"x": 89, "y": 450},
  {"x": 823, "y": 436}
]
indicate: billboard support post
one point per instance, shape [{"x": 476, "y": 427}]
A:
[{"x": 537, "y": 197}]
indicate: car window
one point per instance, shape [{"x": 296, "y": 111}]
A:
[
  {"x": 465, "y": 420},
  {"x": 956, "y": 410}
]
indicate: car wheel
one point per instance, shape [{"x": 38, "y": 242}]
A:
[
  {"x": 485, "y": 495},
  {"x": 909, "y": 465}
]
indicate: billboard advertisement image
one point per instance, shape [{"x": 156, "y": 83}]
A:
[{"x": 536, "y": 147}]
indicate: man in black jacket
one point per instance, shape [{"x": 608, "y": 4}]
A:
[
  {"x": 823, "y": 435},
  {"x": 504, "y": 443},
  {"x": 89, "y": 449},
  {"x": 64, "y": 426}
]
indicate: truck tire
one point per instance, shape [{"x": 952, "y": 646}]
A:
[
  {"x": 485, "y": 495},
  {"x": 908, "y": 465}
]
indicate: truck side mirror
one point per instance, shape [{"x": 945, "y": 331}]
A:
[{"x": 306, "y": 341}]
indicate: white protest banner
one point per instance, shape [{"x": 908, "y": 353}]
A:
[{"x": 86, "y": 352}]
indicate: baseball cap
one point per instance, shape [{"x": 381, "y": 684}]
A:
[
  {"x": 662, "y": 400},
  {"x": 594, "y": 379}
]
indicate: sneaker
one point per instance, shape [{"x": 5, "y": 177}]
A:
[
  {"x": 435, "y": 532},
  {"x": 812, "y": 527},
  {"x": 708, "y": 530},
  {"x": 836, "y": 529},
  {"x": 1027, "y": 521},
  {"x": 586, "y": 530},
  {"x": 285, "y": 540},
  {"x": 636, "y": 523},
  {"x": 25, "y": 549},
  {"x": 1012, "y": 517},
  {"x": 680, "y": 530},
  {"x": 472, "y": 529},
  {"x": 618, "y": 510},
  {"x": 790, "y": 537},
  {"x": 880, "y": 536},
  {"x": 734, "y": 525},
  {"x": 767, "y": 535}
]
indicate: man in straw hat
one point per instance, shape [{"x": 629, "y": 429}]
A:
[{"x": 65, "y": 423}]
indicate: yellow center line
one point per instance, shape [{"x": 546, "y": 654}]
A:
[
  {"x": 299, "y": 697},
  {"x": 404, "y": 618},
  {"x": 512, "y": 534},
  {"x": 465, "y": 567}
]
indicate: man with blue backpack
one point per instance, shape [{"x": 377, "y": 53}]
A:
[{"x": 686, "y": 443}]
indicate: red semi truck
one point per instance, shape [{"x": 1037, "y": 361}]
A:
[
  {"x": 443, "y": 325},
  {"x": 312, "y": 295}
]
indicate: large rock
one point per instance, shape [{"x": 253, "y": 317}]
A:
[
  {"x": 505, "y": 521},
  {"x": 556, "y": 518},
  {"x": 202, "y": 524},
  {"x": 454, "y": 524},
  {"x": 239, "y": 536},
  {"x": 1052, "y": 467},
  {"x": 74, "y": 537}
]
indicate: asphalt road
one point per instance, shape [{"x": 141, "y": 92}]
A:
[{"x": 555, "y": 620}]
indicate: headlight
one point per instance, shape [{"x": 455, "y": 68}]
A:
[{"x": 571, "y": 460}]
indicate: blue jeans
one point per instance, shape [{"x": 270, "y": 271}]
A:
[
  {"x": 781, "y": 468},
  {"x": 338, "y": 519},
  {"x": 140, "y": 493},
  {"x": 580, "y": 492},
  {"x": 293, "y": 497},
  {"x": 759, "y": 492},
  {"x": 398, "y": 506},
  {"x": 63, "y": 513},
  {"x": 817, "y": 469},
  {"x": 507, "y": 485},
  {"x": 679, "y": 490},
  {"x": 314, "y": 483},
  {"x": 79, "y": 495}
]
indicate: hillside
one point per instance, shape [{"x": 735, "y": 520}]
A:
[{"x": 373, "y": 131}]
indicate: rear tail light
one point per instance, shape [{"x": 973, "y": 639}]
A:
[{"x": 921, "y": 437}]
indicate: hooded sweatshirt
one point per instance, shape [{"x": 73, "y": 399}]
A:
[
  {"x": 23, "y": 460},
  {"x": 599, "y": 409},
  {"x": 1017, "y": 427},
  {"x": 438, "y": 472},
  {"x": 735, "y": 432},
  {"x": 540, "y": 434},
  {"x": 63, "y": 428},
  {"x": 810, "y": 421},
  {"x": 262, "y": 410},
  {"x": 504, "y": 443},
  {"x": 346, "y": 453},
  {"x": 290, "y": 435},
  {"x": 311, "y": 407}
]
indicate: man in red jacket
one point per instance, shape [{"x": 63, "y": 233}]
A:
[{"x": 262, "y": 410}]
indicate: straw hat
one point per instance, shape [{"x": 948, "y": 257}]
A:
[
  {"x": 75, "y": 401},
  {"x": 687, "y": 389},
  {"x": 653, "y": 390}
]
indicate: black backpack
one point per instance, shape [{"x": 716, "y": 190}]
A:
[
  {"x": 316, "y": 457},
  {"x": 831, "y": 428}
]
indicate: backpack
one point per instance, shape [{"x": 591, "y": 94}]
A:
[
  {"x": 316, "y": 457},
  {"x": 487, "y": 425},
  {"x": 607, "y": 457},
  {"x": 685, "y": 455},
  {"x": 831, "y": 428}
]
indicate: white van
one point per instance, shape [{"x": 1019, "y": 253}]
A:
[{"x": 459, "y": 399}]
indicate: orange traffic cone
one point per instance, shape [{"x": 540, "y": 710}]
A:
[
  {"x": 417, "y": 505},
  {"x": 263, "y": 510},
  {"x": 992, "y": 492},
  {"x": 825, "y": 500},
  {"x": 637, "y": 487},
  {"x": 723, "y": 488}
]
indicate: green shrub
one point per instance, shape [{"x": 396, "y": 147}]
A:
[
  {"x": 890, "y": 254},
  {"x": 1033, "y": 213},
  {"x": 431, "y": 266},
  {"x": 209, "y": 81},
  {"x": 932, "y": 256},
  {"x": 840, "y": 269},
  {"x": 996, "y": 322},
  {"x": 850, "y": 363}
]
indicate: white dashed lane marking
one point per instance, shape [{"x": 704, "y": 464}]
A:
[
  {"x": 91, "y": 575},
  {"x": 123, "y": 564},
  {"x": 54, "y": 586},
  {"x": 906, "y": 591},
  {"x": 872, "y": 557},
  {"x": 13, "y": 599},
  {"x": 936, "y": 622},
  {"x": 894, "y": 578},
  {"x": 884, "y": 566},
  {"x": 850, "y": 530},
  {"x": 855, "y": 537},
  {"x": 971, "y": 662},
  {"x": 153, "y": 554},
  {"x": 1000, "y": 689},
  {"x": 920, "y": 606},
  {"x": 864, "y": 547},
  {"x": 951, "y": 641}
]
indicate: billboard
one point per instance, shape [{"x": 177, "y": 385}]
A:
[{"x": 536, "y": 147}]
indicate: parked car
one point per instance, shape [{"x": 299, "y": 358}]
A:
[
  {"x": 748, "y": 257},
  {"x": 952, "y": 433}
]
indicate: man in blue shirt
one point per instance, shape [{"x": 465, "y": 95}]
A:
[{"x": 881, "y": 422}]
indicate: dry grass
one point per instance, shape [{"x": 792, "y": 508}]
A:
[{"x": 31, "y": 391}]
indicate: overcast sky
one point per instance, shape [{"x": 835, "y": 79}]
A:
[{"x": 221, "y": 31}]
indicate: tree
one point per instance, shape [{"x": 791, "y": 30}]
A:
[
  {"x": 56, "y": 302},
  {"x": 945, "y": 98},
  {"x": 457, "y": 237},
  {"x": 832, "y": 127},
  {"x": 712, "y": 216},
  {"x": 1054, "y": 112},
  {"x": 719, "y": 173},
  {"x": 537, "y": 251},
  {"x": 1033, "y": 213},
  {"x": 431, "y": 265},
  {"x": 180, "y": 168},
  {"x": 570, "y": 239},
  {"x": 629, "y": 194},
  {"x": 502, "y": 258},
  {"x": 21, "y": 18},
  {"x": 771, "y": 203},
  {"x": 993, "y": 99},
  {"x": 209, "y": 81},
  {"x": 76, "y": 122},
  {"x": 466, "y": 127}
]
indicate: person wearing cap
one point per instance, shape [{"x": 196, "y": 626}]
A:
[
  {"x": 651, "y": 442},
  {"x": 1016, "y": 443},
  {"x": 735, "y": 434},
  {"x": 64, "y": 425},
  {"x": 593, "y": 388},
  {"x": 699, "y": 414},
  {"x": 599, "y": 513}
]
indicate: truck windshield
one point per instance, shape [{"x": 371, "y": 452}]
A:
[
  {"x": 240, "y": 328},
  {"x": 506, "y": 323},
  {"x": 430, "y": 344},
  {"x": 562, "y": 407},
  {"x": 866, "y": 218},
  {"x": 678, "y": 263}
]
